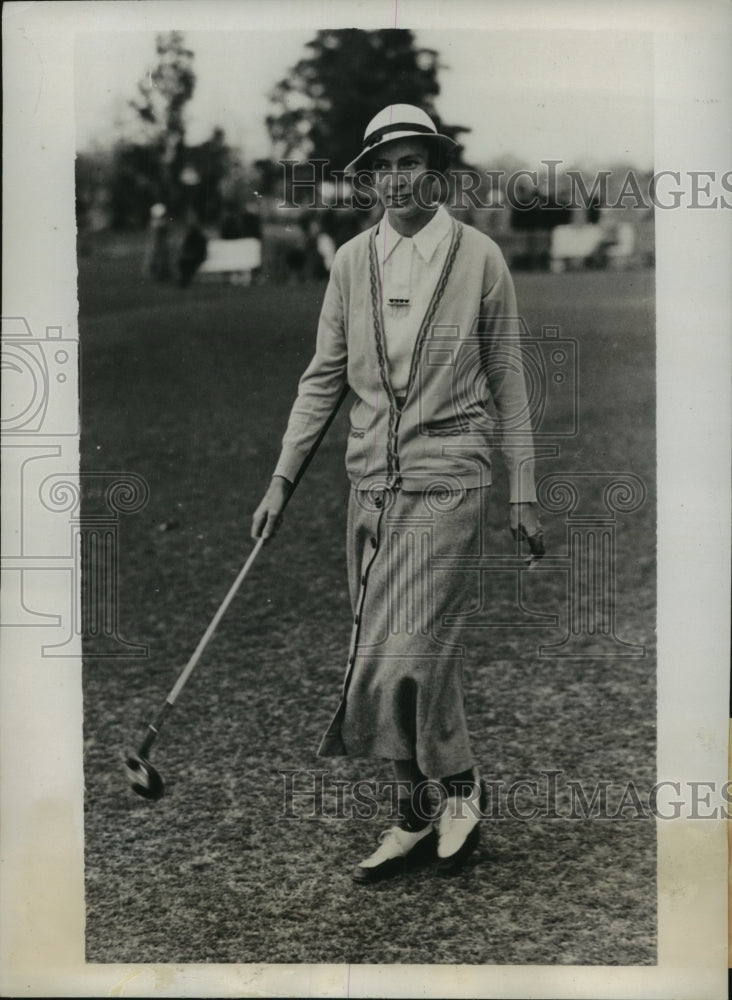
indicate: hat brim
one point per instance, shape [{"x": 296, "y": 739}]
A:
[{"x": 360, "y": 162}]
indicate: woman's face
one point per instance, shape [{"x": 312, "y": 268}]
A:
[{"x": 400, "y": 168}]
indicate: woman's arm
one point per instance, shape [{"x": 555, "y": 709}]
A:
[
  {"x": 321, "y": 383},
  {"x": 504, "y": 368},
  {"x": 319, "y": 392},
  {"x": 501, "y": 326}
]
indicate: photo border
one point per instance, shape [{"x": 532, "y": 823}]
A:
[{"x": 42, "y": 918}]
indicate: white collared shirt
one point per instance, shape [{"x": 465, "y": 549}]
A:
[{"x": 410, "y": 268}]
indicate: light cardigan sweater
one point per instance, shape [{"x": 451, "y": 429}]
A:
[
  {"x": 410, "y": 269},
  {"x": 466, "y": 378}
]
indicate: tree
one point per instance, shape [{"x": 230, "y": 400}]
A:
[
  {"x": 147, "y": 166},
  {"x": 326, "y": 100},
  {"x": 211, "y": 162},
  {"x": 135, "y": 183},
  {"x": 152, "y": 162},
  {"x": 164, "y": 93}
]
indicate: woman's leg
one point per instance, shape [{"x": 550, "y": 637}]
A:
[
  {"x": 458, "y": 830},
  {"x": 410, "y": 786},
  {"x": 397, "y": 844},
  {"x": 460, "y": 785}
]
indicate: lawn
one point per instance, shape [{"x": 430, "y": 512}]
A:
[{"x": 190, "y": 390}]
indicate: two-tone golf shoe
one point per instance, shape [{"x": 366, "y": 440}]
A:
[{"x": 398, "y": 850}]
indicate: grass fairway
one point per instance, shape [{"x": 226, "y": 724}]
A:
[{"x": 190, "y": 390}]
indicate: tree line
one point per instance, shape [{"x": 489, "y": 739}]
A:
[{"x": 319, "y": 108}]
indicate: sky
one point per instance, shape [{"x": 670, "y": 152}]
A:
[{"x": 583, "y": 97}]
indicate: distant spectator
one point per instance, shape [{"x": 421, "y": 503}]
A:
[
  {"x": 593, "y": 211},
  {"x": 295, "y": 259},
  {"x": 251, "y": 227},
  {"x": 326, "y": 248},
  {"x": 157, "y": 263},
  {"x": 192, "y": 250},
  {"x": 230, "y": 228},
  {"x": 621, "y": 246},
  {"x": 534, "y": 214},
  {"x": 319, "y": 250}
]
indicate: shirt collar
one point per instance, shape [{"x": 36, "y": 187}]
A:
[{"x": 426, "y": 240}]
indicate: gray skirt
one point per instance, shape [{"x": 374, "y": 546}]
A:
[{"x": 403, "y": 695}]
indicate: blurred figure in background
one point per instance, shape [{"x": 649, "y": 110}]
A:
[
  {"x": 326, "y": 248},
  {"x": 319, "y": 250},
  {"x": 230, "y": 228},
  {"x": 251, "y": 226},
  {"x": 192, "y": 250},
  {"x": 594, "y": 213},
  {"x": 157, "y": 262},
  {"x": 251, "y": 230}
]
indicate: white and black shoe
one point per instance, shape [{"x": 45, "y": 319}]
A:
[
  {"x": 458, "y": 830},
  {"x": 397, "y": 849}
]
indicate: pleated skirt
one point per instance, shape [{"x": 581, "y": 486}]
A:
[{"x": 402, "y": 696}]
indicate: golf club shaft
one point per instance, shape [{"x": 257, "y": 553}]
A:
[
  {"x": 153, "y": 728},
  {"x": 319, "y": 439},
  {"x": 204, "y": 641}
]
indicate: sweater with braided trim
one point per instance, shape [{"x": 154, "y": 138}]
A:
[{"x": 466, "y": 389}]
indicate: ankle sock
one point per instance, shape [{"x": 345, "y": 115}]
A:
[
  {"x": 460, "y": 785},
  {"x": 412, "y": 820}
]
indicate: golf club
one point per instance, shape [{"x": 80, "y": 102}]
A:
[{"x": 143, "y": 777}]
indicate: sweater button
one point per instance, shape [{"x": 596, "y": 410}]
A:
[
  {"x": 363, "y": 580},
  {"x": 356, "y": 620},
  {"x": 373, "y": 543}
]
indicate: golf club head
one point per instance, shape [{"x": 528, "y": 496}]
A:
[{"x": 143, "y": 777}]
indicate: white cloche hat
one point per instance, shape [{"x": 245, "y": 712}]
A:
[{"x": 398, "y": 121}]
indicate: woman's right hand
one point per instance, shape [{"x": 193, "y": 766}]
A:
[{"x": 268, "y": 516}]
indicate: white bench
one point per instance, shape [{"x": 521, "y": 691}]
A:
[
  {"x": 571, "y": 245},
  {"x": 232, "y": 259}
]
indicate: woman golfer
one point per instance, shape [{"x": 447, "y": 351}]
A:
[{"x": 420, "y": 320}]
